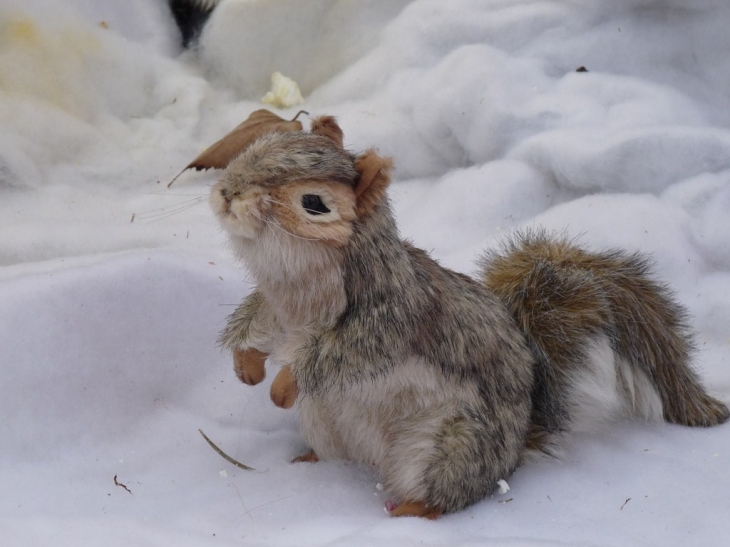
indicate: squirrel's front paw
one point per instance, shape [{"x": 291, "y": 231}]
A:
[
  {"x": 249, "y": 365},
  {"x": 284, "y": 390}
]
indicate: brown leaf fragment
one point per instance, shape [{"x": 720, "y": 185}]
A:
[
  {"x": 219, "y": 154},
  {"x": 117, "y": 483}
]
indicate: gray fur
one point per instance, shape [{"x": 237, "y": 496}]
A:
[
  {"x": 401, "y": 305},
  {"x": 279, "y": 158},
  {"x": 253, "y": 324}
]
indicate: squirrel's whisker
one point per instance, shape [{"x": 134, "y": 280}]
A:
[{"x": 166, "y": 212}]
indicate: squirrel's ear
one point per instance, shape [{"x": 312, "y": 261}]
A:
[
  {"x": 373, "y": 182},
  {"x": 326, "y": 126}
]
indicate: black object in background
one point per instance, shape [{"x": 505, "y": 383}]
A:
[{"x": 190, "y": 17}]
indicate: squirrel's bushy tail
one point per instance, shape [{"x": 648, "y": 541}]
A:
[{"x": 582, "y": 312}]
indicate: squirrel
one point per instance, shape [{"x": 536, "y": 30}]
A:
[{"x": 441, "y": 382}]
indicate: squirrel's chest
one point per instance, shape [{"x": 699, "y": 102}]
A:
[{"x": 369, "y": 421}]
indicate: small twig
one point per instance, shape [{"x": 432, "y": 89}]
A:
[
  {"x": 176, "y": 176},
  {"x": 298, "y": 113},
  {"x": 133, "y": 215},
  {"x": 506, "y": 501},
  {"x": 117, "y": 483},
  {"x": 223, "y": 454},
  {"x": 624, "y": 505}
]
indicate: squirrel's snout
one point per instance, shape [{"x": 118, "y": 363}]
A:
[
  {"x": 220, "y": 199},
  {"x": 228, "y": 195},
  {"x": 227, "y": 198},
  {"x": 226, "y": 204}
]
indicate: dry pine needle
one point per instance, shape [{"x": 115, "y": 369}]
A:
[{"x": 224, "y": 455}]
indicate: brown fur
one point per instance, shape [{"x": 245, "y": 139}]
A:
[
  {"x": 564, "y": 297},
  {"x": 284, "y": 390},
  {"x": 249, "y": 365},
  {"x": 416, "y": 509},
  {"x": 309, "y": 457},
  {"x": 374, "y": 179},
  {"x": 326, "y": 126},
  {"x": 335, "y": 233}
]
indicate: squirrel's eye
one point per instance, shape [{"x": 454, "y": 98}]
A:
[{"x": 313, "y": 205}]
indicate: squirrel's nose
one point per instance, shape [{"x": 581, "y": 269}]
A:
[{"x": 228, "y": 195}]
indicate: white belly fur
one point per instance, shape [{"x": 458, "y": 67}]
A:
[{"x": 390, "y": 424}]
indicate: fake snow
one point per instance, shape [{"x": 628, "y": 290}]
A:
[{"x": 108, "y": 327}]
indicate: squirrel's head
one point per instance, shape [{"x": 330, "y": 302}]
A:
[{"x": 304, "y": 184}]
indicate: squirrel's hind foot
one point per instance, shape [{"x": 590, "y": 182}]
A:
[
  {"x": 309, "y": 457},
  {"x": 416, "y": 509}
]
